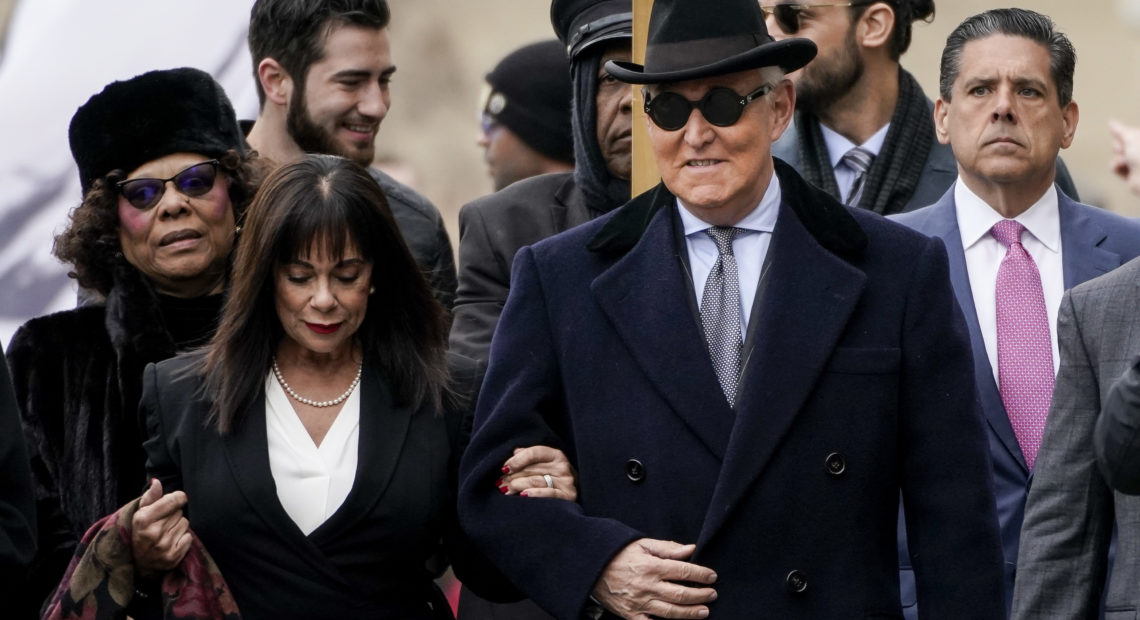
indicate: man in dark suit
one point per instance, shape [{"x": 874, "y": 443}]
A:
[
  {"x": 736, "y": 362},
  {"x": 856, "y": 94},
  {"x": 494, "y": 227},
  {"x": 1006, "y": 109}
]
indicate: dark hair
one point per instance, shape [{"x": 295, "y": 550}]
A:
[
  {"x": 90, "y": 243},
  {"x": 324, "y": 203},
  {"x": 293, "y": 32},
  {"x": 906, "y": 13},
  {"x": 1013, "y": 22}
]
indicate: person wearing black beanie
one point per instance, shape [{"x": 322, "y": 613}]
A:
[{"x": 526, "y": 115}]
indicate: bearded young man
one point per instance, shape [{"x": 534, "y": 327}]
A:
[{"x": 323, "y": 69}]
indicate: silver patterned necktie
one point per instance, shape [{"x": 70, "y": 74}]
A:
[
  {"x": 858, "y": 159},
  {"x": 721, "y": 313}
]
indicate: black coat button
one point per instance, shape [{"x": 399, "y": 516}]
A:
[
  {"x": 834, "y": 464},
  {"x": 796, "y": 582},
  {"x": 634, "y": 470}
]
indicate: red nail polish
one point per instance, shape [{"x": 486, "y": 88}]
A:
[
  {"x": 499, "y": 482},
  {"x": 506, "y": 469},
  {"x": 503, "y": 490},
  {"x": 524, "y": 494}
]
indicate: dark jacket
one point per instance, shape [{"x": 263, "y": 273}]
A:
[
  {"x": 77, "y": 376},
  {"x": 423, "y": 230},
  {"x": 491, "y": 231},
  {"x": 859, "y": 386},
  {"x": 370, "y": 558}
]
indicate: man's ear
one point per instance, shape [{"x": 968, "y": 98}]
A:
[
  {"x": 783, "y": 105},
  {"x": 875, "y": 26},
  {"x": 275, "y": 81},
  {"x": 941, "y": 123}
]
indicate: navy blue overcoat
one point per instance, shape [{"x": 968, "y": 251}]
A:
[{"x": 858, "y": 385}]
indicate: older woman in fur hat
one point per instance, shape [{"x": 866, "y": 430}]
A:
[{"x": 166, "y": 178}]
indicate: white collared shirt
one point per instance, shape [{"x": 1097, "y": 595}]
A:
[
  {"x": 312, "y": 481},
  {"x": 837, "y": 147},
  {"x": 750, "y": 246},
  {"x": 1041, "y": 239}
]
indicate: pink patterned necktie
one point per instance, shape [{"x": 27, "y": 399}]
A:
[{"x": 1025, "y": 354}]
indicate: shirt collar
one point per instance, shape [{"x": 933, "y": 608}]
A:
[
  {"x": 837, "y": 145},
  {"x": 760, "y": 219},
  {"x": 976, "y": 218}
]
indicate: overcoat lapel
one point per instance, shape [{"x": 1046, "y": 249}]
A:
[
  {"x": 944, "y": 225},
  {"x": 807, "y": 302},
  {"x": 1082, "y": 257},
  {"x": 643, "y": 295}
]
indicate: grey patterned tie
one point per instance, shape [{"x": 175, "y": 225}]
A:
[
  {"x": 720, "y": 312},
  {"x": 858, "y": 159}
]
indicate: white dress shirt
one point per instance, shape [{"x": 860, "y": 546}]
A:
[
  {"x": 837, "y": 147},
  {"x": 312, "y": 481},
  {"x": 750, "y": 246},
  {"x": 1041, "y": 239}
]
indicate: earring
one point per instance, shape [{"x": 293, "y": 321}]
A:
[
  {"x": 237, "y": 230},
  {"x": 371, "y": 290}
]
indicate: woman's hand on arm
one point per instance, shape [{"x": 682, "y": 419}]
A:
[
  {"x": 527, "y": 471},
  {"x": 160, "y": 534}
]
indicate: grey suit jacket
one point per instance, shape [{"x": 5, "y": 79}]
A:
[
  {"x": 1117, "y": 436},
  {"x": 1069, "y": 516}
]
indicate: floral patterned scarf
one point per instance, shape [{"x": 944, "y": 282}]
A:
[{"x": 99, "y": 582}]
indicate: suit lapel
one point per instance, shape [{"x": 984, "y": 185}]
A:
[
  {"x": 247, "y": 452},
  {"x": 643, "y": 295},
  {"x": 1081, "y": 237},
  {"x": 383, "y": 430},
  {"x": 808, "y": 299},
  {"x": 943, "y": 223}
]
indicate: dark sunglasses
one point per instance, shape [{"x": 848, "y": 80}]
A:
[
  {"x": 720, "y": 106},
  {"x": 788, "y": 15},
  {"x": 194, "y": 181}
]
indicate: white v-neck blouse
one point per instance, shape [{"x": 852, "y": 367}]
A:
[{"x": 312, "y": 481}]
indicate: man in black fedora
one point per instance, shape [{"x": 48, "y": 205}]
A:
[{"x": 745, "y": 373}]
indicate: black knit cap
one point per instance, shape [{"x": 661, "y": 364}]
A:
[
  {"x": 691, "y": 40},
  {"x": 581, "y": 24},
  {"x": 149, "y": 116},
  {"x": 530, "y": 95}
]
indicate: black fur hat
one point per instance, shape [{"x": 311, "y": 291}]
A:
[{"x": 149, "y": 116}]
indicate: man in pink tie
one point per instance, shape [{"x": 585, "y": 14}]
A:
[{"x": 1015, "y": 242}]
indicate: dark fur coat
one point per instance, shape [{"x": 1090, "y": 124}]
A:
[{"x": 78, "y": 377}]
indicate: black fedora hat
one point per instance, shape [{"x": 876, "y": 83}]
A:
[{"x": 691, "y": 39}]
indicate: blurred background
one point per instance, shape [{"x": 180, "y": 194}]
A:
[{"x": 442, "y": 49}]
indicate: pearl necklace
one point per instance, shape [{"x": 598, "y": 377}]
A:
[{"x": 316, "y": 403}]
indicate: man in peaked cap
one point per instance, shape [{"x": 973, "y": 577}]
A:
[
  {"x": 745, "y": 373},
  {"x": 493, "y": 228},
  {"x": 526, "y": 115}
]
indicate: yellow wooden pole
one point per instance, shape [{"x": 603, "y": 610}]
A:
[{"x": 645, "y": 174}]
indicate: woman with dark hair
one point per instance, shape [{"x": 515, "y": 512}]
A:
[
  {"x": 313, "y": 444},
  {"x": 165, "y": 176}
]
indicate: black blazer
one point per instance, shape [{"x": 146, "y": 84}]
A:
[{"x": 370, "y": 559}]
